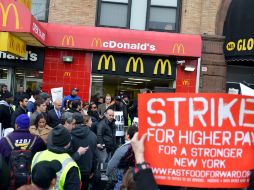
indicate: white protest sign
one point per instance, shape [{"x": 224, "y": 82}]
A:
[
  {"x": 57, "y": 93},
  {"x": 119, "y": 123}
]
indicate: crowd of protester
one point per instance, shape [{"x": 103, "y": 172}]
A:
[{"x": 68, "y": 144}]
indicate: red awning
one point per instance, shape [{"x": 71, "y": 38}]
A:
[{"x": 98, "y": 38}]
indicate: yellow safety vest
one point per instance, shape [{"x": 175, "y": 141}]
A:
[{"x": 66, "y": 161}]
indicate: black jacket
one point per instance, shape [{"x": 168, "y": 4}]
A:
[
  {"x": 15, "y": 114},
  {"x": 72, "y": 179},
  {"x": 106, "y": 134},
  {"x": 5, "y": 114},
  {"x": 83, "y": 136},
  {"x": 144, "y": 180},
  {"x": 53, "y": 119}
]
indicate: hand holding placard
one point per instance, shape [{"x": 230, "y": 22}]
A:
[{"x": 138, "y": 147}]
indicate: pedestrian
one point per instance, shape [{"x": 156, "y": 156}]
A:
[
  {"x": 30, "y": 106},
  {"x": 40, "y": 128},
  {"x": 3, "y": 91},
  {"x": 112, "y": 169},
  {"x": 106, "y": 136},
  {"x": 6, "y": 110},
  {"x": 40, "y": 108},
  {"x": 103, "y": 107},
  {"x": 95, "y": 116},
  {"x": 18, "y": 95},
  {"x": 82, "y": 136},
  {"x": 21, "y": 109},
  {"x": 70, "y": 177},
  {"x": 54, "y": 115},
  {"x": 44, "y": 174},
  {"x": 73, "y": 96},
  {"x": 17, "y": 145}
]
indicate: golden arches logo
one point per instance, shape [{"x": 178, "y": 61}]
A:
[
  {"x": 135, "y": 63},
  {"x": 106, "y": 62},
  {"x": 185, "y": 82},
  {"x": 96, "y": 42},
  {"x": 163, "y": 65},
  {"x": 67, "y": 74},
  {"x": 68, "y": 40},
  {"x": 5, "y": 14},
  {"x": 178, "y": 48}
]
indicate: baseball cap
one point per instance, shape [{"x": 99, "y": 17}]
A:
[
  {"x": 76, "y": 89},
  {"x": 44, "y": 171}
]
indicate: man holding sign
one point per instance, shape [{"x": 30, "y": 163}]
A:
[{"x": 202, "y": 146}]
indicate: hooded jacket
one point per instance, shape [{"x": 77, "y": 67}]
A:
[
  {"x": 5, "y": 114},
  {"x": 83, "y": 136}
]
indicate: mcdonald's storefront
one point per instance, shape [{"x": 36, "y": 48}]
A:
[{"x": 107, "y": 60}]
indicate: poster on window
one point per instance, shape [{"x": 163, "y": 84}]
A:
[
  {"x": 57, "y": 93},
  {"x": 198, "y": 140},
  {"x": 119, "y": 123}
]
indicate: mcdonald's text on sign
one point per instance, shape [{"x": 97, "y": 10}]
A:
[
  {"x": 12, "y": 44},
  {"x": 68, "y": 40},
  {"x": 135, "y": 63},
  {"x": 185, "y": 82},
  {"x": 112, "y": 44},
  {"x": 198, "y": 139},
  {"x": 6, "y": 11},
  {"x": 107, "y": 60}
]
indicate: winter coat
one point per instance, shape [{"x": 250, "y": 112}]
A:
[
  {"x": 15, "y": 114},
  {"x": 21, "y": 138},
  {"x": 5, "y": 114},
  {"x": 106, "y": 132},
  {"x": 43, "y": 134},
  {"x": 83, "y": 136}
]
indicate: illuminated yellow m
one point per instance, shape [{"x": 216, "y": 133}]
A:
[
  {"x": 5, "y": 14},
  {"x": 163, "y": 67},
  {"x": 107, "y": 61},
  {"x": 135, "y": 65}
]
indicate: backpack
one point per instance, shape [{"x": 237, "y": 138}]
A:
[{"x": 20, "y": 164}]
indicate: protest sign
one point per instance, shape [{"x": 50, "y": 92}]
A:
[
  {"x": 118, "y": 115},
  {"x": 57, "y": 93},
  {"x": 198, "y": 140}
]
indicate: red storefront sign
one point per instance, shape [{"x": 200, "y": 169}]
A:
[
  {"x": 17, "y": 18},
  {"x": 198, "y": 140}
]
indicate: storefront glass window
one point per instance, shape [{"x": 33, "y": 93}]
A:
[
  {"x": 3, "y": 73},
  {"x": 108, "y": 84},
  {"x": 29, "y": 79}
]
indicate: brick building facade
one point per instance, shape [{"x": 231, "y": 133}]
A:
[{"x": 196, "y": 17}]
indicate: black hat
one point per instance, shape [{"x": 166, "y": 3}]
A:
[
  {"x": 60, "y": 136},
  {"x": 78, "y": 118},
  {"x": 43, "y": 172},
  {"x": 117, "y": 98},
  {"x": 76, "y": 89}
]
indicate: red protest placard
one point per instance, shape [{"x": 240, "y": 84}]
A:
[{"x": 198, "y": 140}]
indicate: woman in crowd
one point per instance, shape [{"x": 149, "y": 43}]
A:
[{"x": 41, "y": 128}]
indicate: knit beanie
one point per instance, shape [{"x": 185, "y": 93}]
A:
[
  {"x": 60, "y": 136},
  {"x": 23, "y": 121}
]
